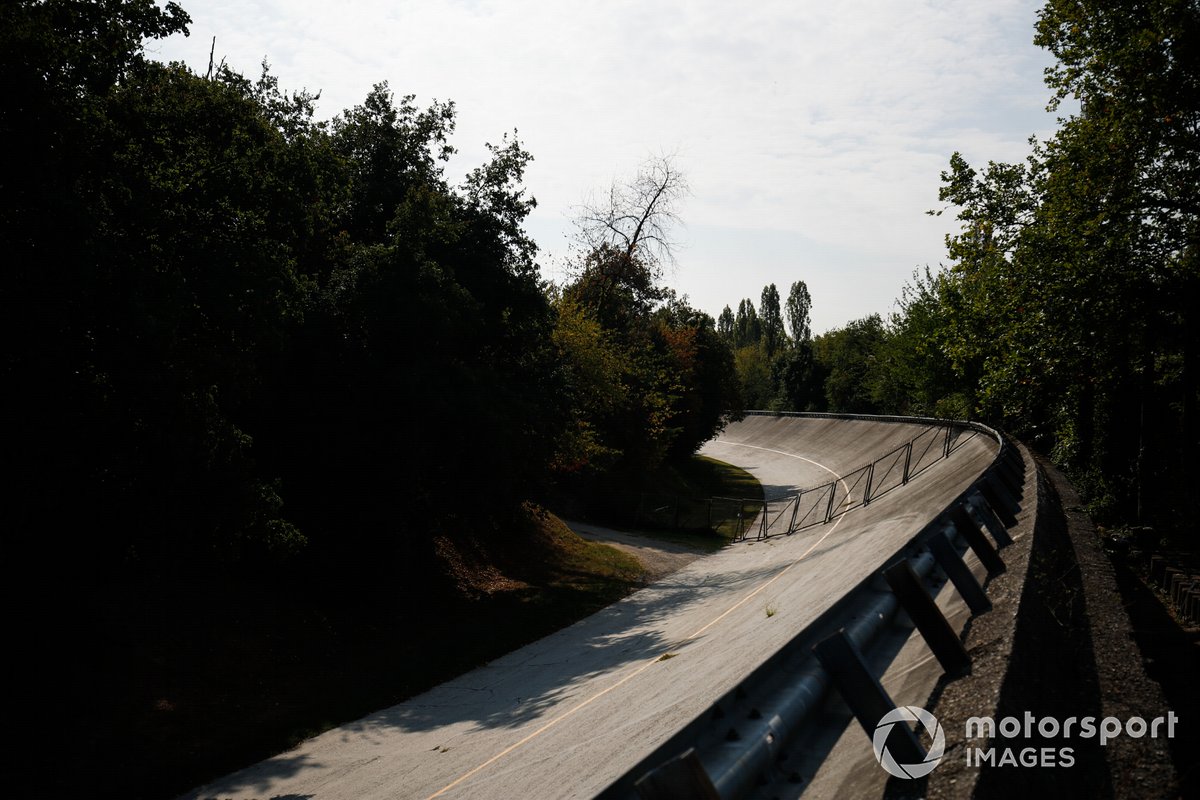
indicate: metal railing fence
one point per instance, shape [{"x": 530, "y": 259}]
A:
[
  {"x": 739, "y": 518},
  {"x": 858, "y": 488}
]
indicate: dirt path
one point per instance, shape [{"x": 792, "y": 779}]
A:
[{"x": 658, "y": 557}]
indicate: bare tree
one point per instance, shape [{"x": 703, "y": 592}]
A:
[{"x": 636, "y": 217}]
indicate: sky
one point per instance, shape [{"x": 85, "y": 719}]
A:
[{"x": 812, "y": 135}]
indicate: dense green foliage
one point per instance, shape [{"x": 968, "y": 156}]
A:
[
  {"x": 252, "y": 354},
  {"x": 1070, "y": 300},
  {"x": 238, "y": 331},
  {"x": 1067, "y": 312},
  {"x": 649, "y": 379},
  {"x": 222, "y": 307},
  {"x": 775, "y": 370}
]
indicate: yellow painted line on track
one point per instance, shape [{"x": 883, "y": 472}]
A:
[{"x": 585, "y": 703}]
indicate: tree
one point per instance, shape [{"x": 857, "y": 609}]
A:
[
  {"x": 431, "y": 312},
  {"x": 771, "y": 320},
  {"x": 912, "y": 374},
  {"x": 618, "y": 289},
  {"x": 677, "y": 378},
  {"x": 389, "y": 150},
  {"x": 848, "y": 356},
  {"x": 159, "y": 301},
  {"x": 799, "y": 381},
  {"x": 676, "y": 369},
  {"x": 754, "y": 376},
  {"x": 707, "y": 396},
  {"x": 626, "y": 241},
  {"x": 747, "y": 330},
  {"x": 799, "y": 304},
  {"x": 227, "y": 303},
  {"x": 636, "y": 217},
  {"x": 726, "y": 325},
  {"x": 1064, "y": 311},
  {"x": 595, "y": 380}
]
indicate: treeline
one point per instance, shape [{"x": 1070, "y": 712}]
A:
[
  {"x": 774, "y": 352},
  {"x": 781, "y": 366},
  {"x": 1067, "y": 312},
  {"x": 237, "y": 336},
  {"x": 867, "y": 366}
]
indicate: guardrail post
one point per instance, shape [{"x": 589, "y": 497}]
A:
[
  {"x": 979, "y": 506},
  {"x": 971, "y": 530},
  {"x": 928, "y": 618},
  {"x": 763, "y": 516},
  {"x": 1009, "y": 475},
  {"x": 870, "y": 478},
  {"x": 795, "y": 511},
  {"x": 946, "y": 444},
  {"x": 1002, "y": 504},
  {"x": 907, "y": 462},
  {"x": 832, "y": 497},
  {"x": 865, "y": 695},
  {"x": 682, "y": 776},
  {"x": 958, "y": 573}
]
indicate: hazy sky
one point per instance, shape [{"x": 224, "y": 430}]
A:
[{"x": 812, "y": 134}]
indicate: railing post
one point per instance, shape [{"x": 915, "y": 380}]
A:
[
  {"x": 957, "y": 571},
  {"x": 972, "y": 531},
  {"x": 832, "y": 496},
  {"x": 870, "y": 479},
  {"x": 907, "y": 461},
  {"x": 864, "y": 694},
  {"x": 929, "y": 619},
  {"x": 989, "y": 515},
  {"x": 795, "y": 511}
]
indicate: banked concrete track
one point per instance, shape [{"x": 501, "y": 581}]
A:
[{"x": 570, "y": 714}]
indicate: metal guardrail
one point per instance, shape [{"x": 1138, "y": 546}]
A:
[{"x": 735, "y": 745}]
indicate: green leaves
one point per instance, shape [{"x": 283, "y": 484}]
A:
[
  {"x": 849, "y": 356},
  {"x": 799, "y": 305},
  {"x": 227, "y": 310},
  {"x": 773, "y": 334},
  {"x": 1062, "y": 290},
  {"x": 670, "y": 375}
]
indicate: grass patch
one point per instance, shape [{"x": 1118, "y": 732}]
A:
[
  {"x": 576, "y": 564},
  {"x": 692, "y": 502},
  {"x": 715, "y": 478}
]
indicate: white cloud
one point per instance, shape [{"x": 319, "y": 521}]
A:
[{"x": 812, "y": 133}]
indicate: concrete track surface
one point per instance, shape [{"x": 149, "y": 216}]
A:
[{"x": 567, "y": 715}]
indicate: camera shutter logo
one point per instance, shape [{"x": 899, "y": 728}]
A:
[{"x": 908, "y": 714}]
